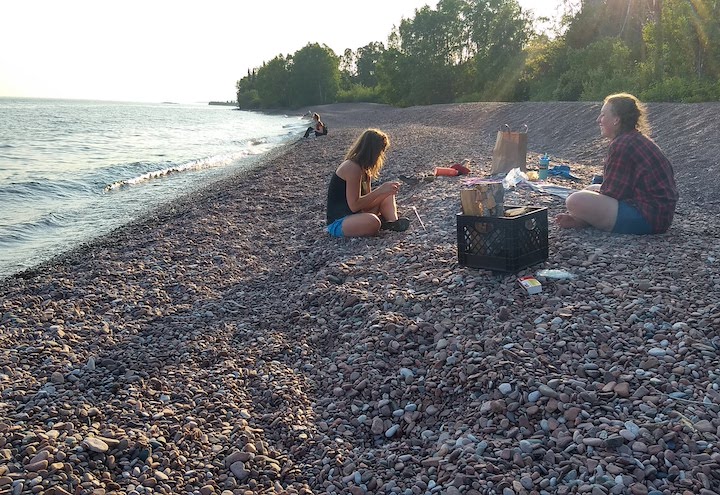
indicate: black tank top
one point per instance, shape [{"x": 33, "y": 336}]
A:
[{"x": 337, "y": 205}]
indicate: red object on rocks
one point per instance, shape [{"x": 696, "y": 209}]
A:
[
  {"x": 462, "y": 169},
  {"x": 446, "y": 171}
]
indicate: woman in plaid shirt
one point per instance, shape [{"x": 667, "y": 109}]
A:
[{"x": 638, "y": 193}]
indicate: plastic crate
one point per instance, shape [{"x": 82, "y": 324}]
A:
[{"x": 505, "y": 244}]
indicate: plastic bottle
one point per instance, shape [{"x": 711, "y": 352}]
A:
[{"x": 543, "y": 167}]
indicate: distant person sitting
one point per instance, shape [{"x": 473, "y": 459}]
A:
[
  {"x": 318, "y": 127},
  {"x": 638, "y": 193}
]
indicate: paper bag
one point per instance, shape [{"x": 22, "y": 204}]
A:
[{"x": 510, "y": 150}]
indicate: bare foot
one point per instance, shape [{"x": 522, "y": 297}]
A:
[{"x": 567, "y": 221}]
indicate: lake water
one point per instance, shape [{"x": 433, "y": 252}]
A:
[{"x": 72, "y": 170}]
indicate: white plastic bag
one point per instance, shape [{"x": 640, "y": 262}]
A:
[{"x": 513, "y": 178}]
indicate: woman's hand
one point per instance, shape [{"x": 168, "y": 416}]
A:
[{"x": 389, "y": 188}]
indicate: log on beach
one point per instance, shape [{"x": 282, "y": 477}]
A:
[{"x": 226, "y": 344}]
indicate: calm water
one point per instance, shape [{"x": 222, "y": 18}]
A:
[{"x": 72, "y": 170}]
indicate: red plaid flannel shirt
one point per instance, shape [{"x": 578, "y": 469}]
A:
[{"x": 638, "y": 173}]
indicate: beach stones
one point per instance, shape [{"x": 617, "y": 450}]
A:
[
  {"x": 220, "y": 347},
  {"x": 95, "y": 445}
]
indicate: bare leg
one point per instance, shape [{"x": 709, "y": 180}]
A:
[
  {"x": 361, "y": 225},
  {"x": 589, "y": 208},
  {"x": 388, "y": 209}
]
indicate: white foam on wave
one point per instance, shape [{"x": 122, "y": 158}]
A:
[{"x": 191, "y": 166}]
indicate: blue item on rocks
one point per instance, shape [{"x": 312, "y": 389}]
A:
[{"x": 562, "y": 171}]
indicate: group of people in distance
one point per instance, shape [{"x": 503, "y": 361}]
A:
[{"x": 638, "y": 193}]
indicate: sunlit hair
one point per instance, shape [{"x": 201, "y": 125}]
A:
[
  {"x": 368, "y": 151},
  {"x": 631, "y": 112},
  {"x": 316, "y": 116}
]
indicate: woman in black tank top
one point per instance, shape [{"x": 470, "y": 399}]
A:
[{"x": 353, "y": 208}]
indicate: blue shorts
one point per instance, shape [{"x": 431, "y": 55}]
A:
[
  {"x": 335, "y": 228},
  {"x": 630, "y": 221}
]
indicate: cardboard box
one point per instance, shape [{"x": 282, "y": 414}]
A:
[{"x": 530, "y": 284}]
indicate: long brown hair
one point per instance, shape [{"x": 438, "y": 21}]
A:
[
  {"x": 368, "y": 151},
  {"x": 632, "y": 113}
]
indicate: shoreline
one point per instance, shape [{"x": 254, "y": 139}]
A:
[
  {"x": 164, "y": 212},
  {"x": 43, "y": 219},
  {"x": 229, "y": 335}
]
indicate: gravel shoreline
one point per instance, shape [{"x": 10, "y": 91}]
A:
[{"x": 227, "y": 345}]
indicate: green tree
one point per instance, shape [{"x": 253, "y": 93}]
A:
[
  {"x": 684, "y": 47},
  {"x": 612, "y": 69},
  {"x": 272, "y": 83},
  {"x": 691, "y": 37},
  {"x": 499, "y": 31},
  {"x": 358, "y": 74},
  {"x": 599, "y": 19},
  {"x": 348, "y": 71},
  {"x": 366, "y": 62},
  {"x": 247, "y": 95},
  {"x": 463, "y": 50},
  {"x": 470, "y": 50},
  {"x": 427, "y": 43},
  {"x": 393, "y": 70},
  {"x": 248, "y": 100},
  {"x": 598, "y": 54},
  {"x": 545, "y": 60},
  {"x": 314, "y": 76}
]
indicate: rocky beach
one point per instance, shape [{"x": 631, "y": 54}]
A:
[{"x": 227, "y": 345}]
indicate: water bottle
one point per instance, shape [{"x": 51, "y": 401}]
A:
[{"x": 543, "y": 168}]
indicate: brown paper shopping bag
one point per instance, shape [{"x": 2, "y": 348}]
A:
[{"x": 510, "y": 150}]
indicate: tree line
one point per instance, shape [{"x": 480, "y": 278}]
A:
[{"x": 490, "y": 50}]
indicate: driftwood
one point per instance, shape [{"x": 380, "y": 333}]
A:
[{"x": 484, "y": 200}]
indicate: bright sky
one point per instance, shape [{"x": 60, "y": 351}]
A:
[{"x": 170, "y": 50}]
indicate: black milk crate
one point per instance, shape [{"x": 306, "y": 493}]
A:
[{"x": 506, "y": 244}]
